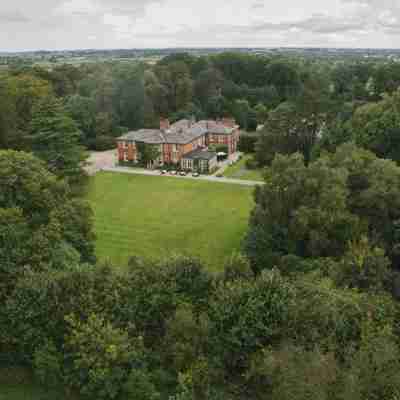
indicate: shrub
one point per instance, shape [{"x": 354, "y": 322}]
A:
[{"x": 247, "y": 143}]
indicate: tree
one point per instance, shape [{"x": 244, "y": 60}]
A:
[
  {"x": 147, "y": 153},
  {"x": 83, "y": 111},
  {"x": 41, "y": 227},
  {"x": 54, "y": 137},
  {"x": 129, "y": 96},
  {"x": 374, "y": 195},
  {"x": 175, "y": 78},
  {"x": 246, "y": 315},
  {"x": 286, "y": 131},
  {"x": 261, "y": 112},
  {"x": 376, "y": 127},
  {"x": 101, "y": 357},
  {"x": 29, "y": 91},
  {"x": 300, "y": 211},
  {"x": 285, "y": 77},
  {"x": 207, "y": 85},
  {"x": 8, "y": 116}
]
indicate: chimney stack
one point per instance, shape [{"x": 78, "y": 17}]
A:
[{"x": 164, "y": 124}]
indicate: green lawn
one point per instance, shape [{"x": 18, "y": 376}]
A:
[
  {"x": 239, "y": 171},
  {"x": 153, "y": 216}
]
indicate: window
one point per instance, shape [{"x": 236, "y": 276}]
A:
[{"x": 175, "y": 148}]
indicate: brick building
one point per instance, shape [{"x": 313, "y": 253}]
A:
[{"x": 175, "y": 141}]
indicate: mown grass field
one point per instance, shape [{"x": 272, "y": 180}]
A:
[
  {"x": 153, "y": 216},
  {"x": 239, "y": 171}
]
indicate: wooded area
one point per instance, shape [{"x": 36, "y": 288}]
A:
[{"x": 308, "y": 309}]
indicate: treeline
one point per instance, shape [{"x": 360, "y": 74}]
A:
[
  {"x": 107, "y": 99},
  {"x": 310, "y": 310}
]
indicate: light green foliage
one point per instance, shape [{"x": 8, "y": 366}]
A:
[
  {"x": 376, "y": 127},
  {"x": 363, "y": 267},
  {"x": 101, "y": 357}
]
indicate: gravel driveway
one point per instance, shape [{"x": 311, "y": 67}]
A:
[{"x": 100, "y": 160}]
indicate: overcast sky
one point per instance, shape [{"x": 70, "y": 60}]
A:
[{"x": 73, "y": 24}]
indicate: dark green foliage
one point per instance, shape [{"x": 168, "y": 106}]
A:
[
  {"x": 8, "y": 116},
  {"x": 317, "y": 211},
  {"x": 300, "y": 211},
  {"x": 147, "y": 153},
  {"x": 247, "y": 143},
  {"x": 55, "y": 138},
  {"x": 42, "y": 227},
  {"x": 309, "y": 312},
  {"x": 375, "y": 126},
  {"x": 245, "y": 316}
]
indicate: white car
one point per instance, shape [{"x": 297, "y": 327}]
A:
[{"x": 173, "y": 172}]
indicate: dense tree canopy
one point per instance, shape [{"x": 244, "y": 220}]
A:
[
  {"x": 42, "y": 227},
  {"x": 309, "y": 309}
]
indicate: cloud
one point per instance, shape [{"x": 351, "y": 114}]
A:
[
  {"x": 13, "y": 17},
  {"x": 212, "y": 23}
]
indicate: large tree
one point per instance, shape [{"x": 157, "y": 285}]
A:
[
  {"x": 326, "y": 210},
  {"x": 376, "y": 127},
  {"x": 8, "y": 115},
  {"x": 55, "y": 138},
  {"x": 41, "y": 226}
]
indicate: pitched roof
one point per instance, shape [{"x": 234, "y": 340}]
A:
[
  {"x": 200, "y": 154},
  {"x": 216, "y": 128},
  {"x": 181, "y": 132},
  {"x": 151, "y": 136}
]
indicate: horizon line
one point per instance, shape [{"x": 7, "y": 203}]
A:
[{"x": 197, "y": 48}]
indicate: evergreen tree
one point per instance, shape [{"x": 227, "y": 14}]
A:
[{"x": 55, "y": 138}]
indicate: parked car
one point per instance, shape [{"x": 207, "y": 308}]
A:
[
  {"x": 173, "y": 172},
  {"x": 182, "y": 173},
  {"x": 219, "y": 176},
  {"x": 195, "y": 174},
  {"x": 164, "y": 172}
]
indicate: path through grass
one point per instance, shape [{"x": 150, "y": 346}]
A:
[{"x": 239, "y": 171}]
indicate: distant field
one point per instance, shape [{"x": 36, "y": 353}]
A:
[
  {"x": 156, "y": 216},
  {"x": 239, "y": 171}
]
